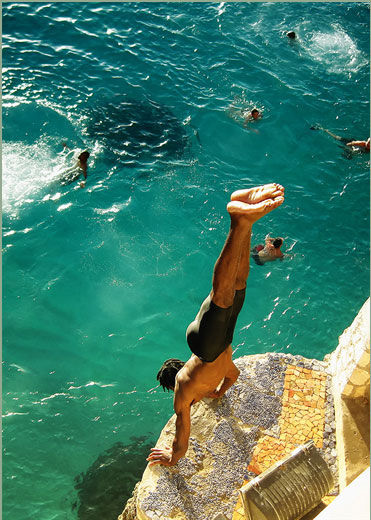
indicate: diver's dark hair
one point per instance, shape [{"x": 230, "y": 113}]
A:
[
  {"x": 254, "y": 110},
  {"x": 167, "y": 373},
  {"x": 277, "y": 242}
]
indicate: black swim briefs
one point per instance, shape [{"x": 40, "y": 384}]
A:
[{"x": 212, "y": 330}]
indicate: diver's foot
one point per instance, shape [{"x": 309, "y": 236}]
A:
[
  {"x": 258, "y": 194},
  {"x": 253, "y": 212}
]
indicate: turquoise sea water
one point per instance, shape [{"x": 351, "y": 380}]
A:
[{"x": 100, "y": 284}]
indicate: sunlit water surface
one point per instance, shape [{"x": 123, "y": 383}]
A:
[{"x": 100, "y": 283}]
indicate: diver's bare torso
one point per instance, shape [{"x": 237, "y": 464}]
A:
[{"x": 198, "y": 379}]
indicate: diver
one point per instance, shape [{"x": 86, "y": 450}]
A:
[
  {"x": 268, "y": 252},
  {"x": 210, "y": 371},
  {"x": 80, "y": 166}
]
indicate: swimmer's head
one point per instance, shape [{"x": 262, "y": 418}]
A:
[
  {"x": 291, "y": 35},
  {"x": 277, "y": 242},
  {"x": 255, "y": 113},
  {"x": 167, "y": 373},
  {"x": 84, "y": 156}
]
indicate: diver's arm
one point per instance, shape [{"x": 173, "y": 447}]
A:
[
  {"x": 182, "y": 432},
  {"x": 169, "y": 457},
  {"x": 229, "y": 380}
]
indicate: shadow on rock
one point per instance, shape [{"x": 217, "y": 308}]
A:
[
  {"x": 108, "y": 483},
  {"x": 135, "y": 130}
]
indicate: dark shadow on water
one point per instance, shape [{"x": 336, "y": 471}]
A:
[
  {"x": 132, "y": 130},
  {"x": 108, "y": 483}
]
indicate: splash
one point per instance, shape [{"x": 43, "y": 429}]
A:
[
  {"x": 27, "y": 171},
  {"x": 337, "y": 51},
  {"x": 32, "y": 157}
]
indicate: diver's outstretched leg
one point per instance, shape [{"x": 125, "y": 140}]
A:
[
  {"x": 232, "y": 267},
  {"x": 272, "y": 191}
]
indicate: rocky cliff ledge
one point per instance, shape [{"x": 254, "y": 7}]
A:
[
  {"x": 278, "y": 402},
  {"x": 264, "y": 416}
]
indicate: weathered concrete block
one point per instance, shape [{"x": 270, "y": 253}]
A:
[
  {"x": 364, "y": 362},
  {"x": 351, "y": 353},
  {"x": 359, "y": 377}
]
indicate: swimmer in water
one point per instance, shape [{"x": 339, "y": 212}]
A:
[
  {"x": 353, "y": 145},
  {"x": 80, "y": 167},
  {"x": 291, "y": 35},
  {"x": 269, "y": 252},
  {"x": 210, "y": 371},
  {"x": 251, "y": 116},
  {"x": 362, "y": 145},
  {"x": 245, "y": 115}
]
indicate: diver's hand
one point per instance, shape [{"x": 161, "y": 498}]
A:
[{"x": 164, "y": 457}]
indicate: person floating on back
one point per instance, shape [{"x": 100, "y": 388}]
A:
[
  {"x": 352, "y": 144},
  {"x": 210, "y": 371},
  {"x": 269, "y": 252},
  {"x": 80, "y": 166}
]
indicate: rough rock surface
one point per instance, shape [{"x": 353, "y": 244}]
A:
[{"x": 224, "y": 433}]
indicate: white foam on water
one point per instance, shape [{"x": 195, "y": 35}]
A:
[
  {"x": 29, "y": 170},
  {"x": 26, "y": 171},
  {"x": 336, "y": 50}
]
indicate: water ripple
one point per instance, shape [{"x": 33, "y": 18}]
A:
[{"x": 102, "y": 282}]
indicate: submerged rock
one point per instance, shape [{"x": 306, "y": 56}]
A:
[
  {"x": 109, "y": 481},
  {"x": 133, "y": 130}
]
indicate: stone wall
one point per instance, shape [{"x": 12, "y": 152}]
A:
[{"x": 349, "y": 364}]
